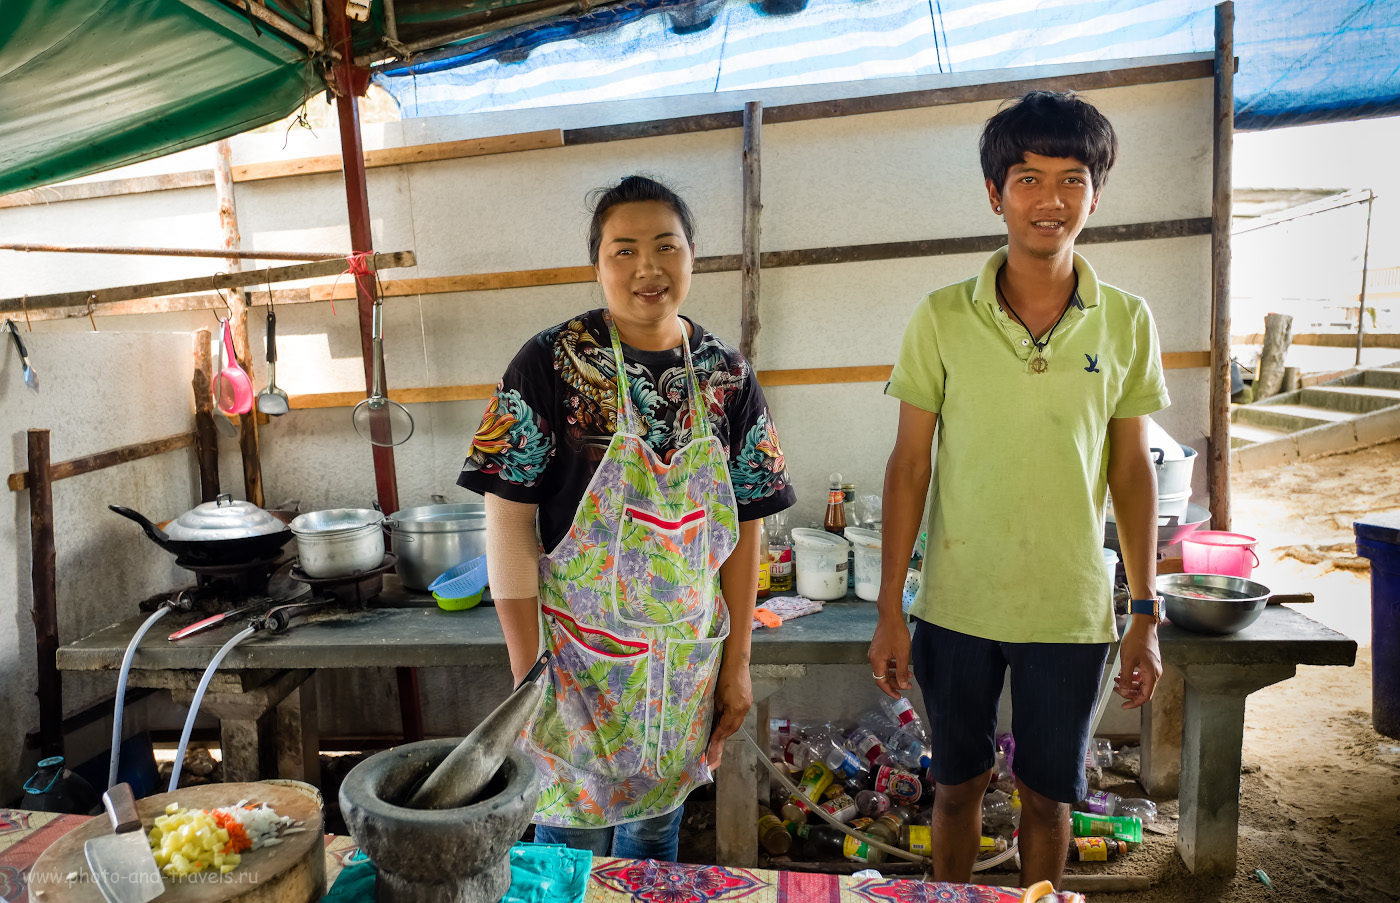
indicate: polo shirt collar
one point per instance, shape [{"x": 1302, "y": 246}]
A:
[{"x": 986, "y": 288}]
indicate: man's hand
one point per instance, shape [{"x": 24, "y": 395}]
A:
[
  {"x": 733, "y": 699},
  {"x": 889, "y": 656},
  {"x": 1142, "y": 663}
]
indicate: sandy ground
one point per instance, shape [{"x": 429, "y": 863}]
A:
[{"x": 1320, "y": 789}]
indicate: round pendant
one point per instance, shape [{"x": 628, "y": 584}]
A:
[{"x": 1039, "y": 364}]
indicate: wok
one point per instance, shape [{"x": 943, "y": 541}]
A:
[{"x": 211, "y": 551}]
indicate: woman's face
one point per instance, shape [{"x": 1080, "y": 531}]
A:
[{"x": 644, "y": 263}]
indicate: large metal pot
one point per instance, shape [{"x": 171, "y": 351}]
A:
[
  {"x": 435, "y": 539},
  {"x": 224, "y": 531},
  {"x": 339, "y": 542}
]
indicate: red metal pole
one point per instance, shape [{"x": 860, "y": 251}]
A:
[{"x": 351, "y": 82}]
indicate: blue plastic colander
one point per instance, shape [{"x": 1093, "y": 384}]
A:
[{"x": 466, "y": 579}]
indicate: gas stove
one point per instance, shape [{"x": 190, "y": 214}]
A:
[{"x": 222, "y": 588}]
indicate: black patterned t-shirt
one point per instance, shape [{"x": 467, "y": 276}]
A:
[{"x": 555, "y": 410}]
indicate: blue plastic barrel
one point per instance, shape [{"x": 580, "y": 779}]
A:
[{"x": 1379, "y": 540}]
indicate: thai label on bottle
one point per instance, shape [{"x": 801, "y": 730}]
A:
[
  {"x": 1086, "y": 824},
  {"x": 1097, "y": 802},
  {"x": 849, "y": 766},
  {"x": 764, "y": 579},
  {"x": 835, "y": 496},
  {"x": 769, "y": 822},
  {"x": 1092, "y": 849},
  {"x": 860, "y": 824},
  {"x": 921, "y": 839},
  {"x": 899, "y": 786},
  {"x": 842, "y": 808},
  {"x": 833, "y": 792},
  {"x": 868, "y": 745},
  {"x": 903, "y": 710},
  {"x": 855, "y": 850},
  {"x": 780, "y": 568},
  {"x": 815, "y": 779}
]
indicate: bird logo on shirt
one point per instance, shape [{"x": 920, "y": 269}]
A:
[{"x": 1093, "y": 360}]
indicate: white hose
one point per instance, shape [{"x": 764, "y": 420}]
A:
[
  {"x": 121, "y": 691},
  {"x": 224, "y": 650}
]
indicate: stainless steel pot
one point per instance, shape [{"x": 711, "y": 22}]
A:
[
  {"x": 339, "y": 542},
  {"x": 439, "y": 537},
  {"x": 1174, "y": 474}
]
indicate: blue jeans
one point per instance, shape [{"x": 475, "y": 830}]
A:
[{"x": 650, "y": 838}]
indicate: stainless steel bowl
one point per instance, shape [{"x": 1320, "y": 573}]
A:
[{"x": 1212, "y": 603}]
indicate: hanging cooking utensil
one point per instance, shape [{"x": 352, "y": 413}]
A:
[
  {"x": 222, "y": 423},
  {"x": 233, "y": 390},
  {"x": 31, "y": 379},
  {"x": 382, "y": 421},
  {"x": 272, "y": 400}
]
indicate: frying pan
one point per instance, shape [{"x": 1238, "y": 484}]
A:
[{"x": 211, "y": 551}]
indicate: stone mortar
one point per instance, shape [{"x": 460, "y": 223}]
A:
[{"x": 437, "y": 855}]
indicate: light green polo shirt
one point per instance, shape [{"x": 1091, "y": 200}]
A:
[{"x": 1016, "y": 505}]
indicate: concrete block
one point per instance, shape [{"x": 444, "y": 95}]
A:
[
  {"x": 1326, "y": 440},
  {"x": 1381, "y": 426},
  {"x": 1379, "y": 379},
  {"x": 1265, "y": 454},
  {"x": 1161, "y": 735}
]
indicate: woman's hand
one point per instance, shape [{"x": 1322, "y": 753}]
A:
[
  {"x": 889, "y": 655},
  {"x": 733, "y": 699}
]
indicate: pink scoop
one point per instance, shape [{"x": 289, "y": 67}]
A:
[{"x": 233, "y": 389}]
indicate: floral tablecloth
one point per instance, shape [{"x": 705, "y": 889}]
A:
[{"x": 24, "y": 835}]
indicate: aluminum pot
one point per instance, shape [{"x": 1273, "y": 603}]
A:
[
  {"x": 1174, "y": 474},
  {"x": 339, "y": 542},
  {"x": 432, "y": 539}
]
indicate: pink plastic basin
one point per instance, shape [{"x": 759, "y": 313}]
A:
[{"x": 1218, "y": 552}]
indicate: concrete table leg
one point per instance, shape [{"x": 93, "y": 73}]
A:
[
  {"x": 1160, "y": 771},
  {"x": 249, "y": 724},
  {"x": 736, "y": 781},
  {"x": 1212, "y": 734},
  {"x": 298, "y": 735}
]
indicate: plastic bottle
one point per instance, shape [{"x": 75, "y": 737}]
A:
[
  {"x": 814, "y": 782},
  {"x": 1000, "y": 809},
  {"x": 54, "y": 788},
  {"x": 907, "y": 751},
  {"x": 764, "y": 563},
  {"x": 774, "y": 838},
  {"x": 835, "y": 521},
  {"x": 779, "y": 566},
  {"x": 823, "y": 842},
  {"x": 1096, "y": 849},
  {"x": 1085, "y": 824},
  {"x": 847, "y": 766},
  {"x": 900, "y": 786},
  {"x": 872, "y": 803},
  {"x": 887, "y": 827},
  {"x": 863, "y": 742},
  {"x": 901, "y": 712},
  {"x": 848, "y": 511},
  {"x": 1101, "y": 802}
]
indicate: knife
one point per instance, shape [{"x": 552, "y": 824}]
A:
[
  {"x": 122, "y": 863},
  {"x": 215, "y": 620}
]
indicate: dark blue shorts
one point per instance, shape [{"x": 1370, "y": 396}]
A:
[{"x": 1054, "y": 687}]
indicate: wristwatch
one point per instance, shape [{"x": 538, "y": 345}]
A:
[{"x": 1151, "y": 607}]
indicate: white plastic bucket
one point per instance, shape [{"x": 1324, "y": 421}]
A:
[
  {"x": 821, "y": 564},
  {"x": 867, "y": 549},
  {"x": 1110, "y": 561},
  {"x": 1174, "y": 505}
]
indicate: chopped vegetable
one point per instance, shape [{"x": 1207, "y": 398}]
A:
[{"x": 188, "y": 841}]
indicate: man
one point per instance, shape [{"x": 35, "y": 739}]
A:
[{"x": 1039, "y": 379}]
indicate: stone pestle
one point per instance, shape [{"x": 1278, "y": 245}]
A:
[{"x": 471, "y": 765}]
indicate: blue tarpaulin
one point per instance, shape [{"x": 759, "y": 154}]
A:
[{"x": 1299, "y": 61}]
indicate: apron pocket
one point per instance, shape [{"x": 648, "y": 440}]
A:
[
  {"x": 594, "y": 715},
  {"x": 687, "y": 702},
  {"x": 660, "y": 574}
]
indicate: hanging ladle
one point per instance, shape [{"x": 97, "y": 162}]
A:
[
  {"x": 272, "y": 400},
  {"x": 382, "y": 421},
  {"x": 222, "y": 423}
]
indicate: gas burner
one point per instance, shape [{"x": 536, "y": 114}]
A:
[
  {"x": 248, "y": 576},
  {"x": 355, "y": 589}
]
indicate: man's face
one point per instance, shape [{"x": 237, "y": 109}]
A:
[{"x": 1046, "y": 201}]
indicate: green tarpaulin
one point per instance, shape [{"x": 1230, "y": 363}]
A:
[{"x": 90, "y": 85}]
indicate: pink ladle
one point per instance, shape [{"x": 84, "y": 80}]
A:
[{"x": 233, "y": 389}]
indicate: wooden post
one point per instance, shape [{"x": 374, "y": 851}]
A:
[
  {"x": 1292, "y": 380},
  {"x": 1365, "y": 265},
  {"x": 351, "y": 80},
  {"x": 753, "y": 214},
  {"x": 1218, "y": 458},
  {"x": 1278, "y": 329},
  {"x": 44, "y": 574},
  {"x": 206, "y": 444},
  {"x": 242, "y": 347}
]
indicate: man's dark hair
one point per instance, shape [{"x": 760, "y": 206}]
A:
[
  {"x": 1051, "y": 124},
  {"x": 631, "y": 190}
]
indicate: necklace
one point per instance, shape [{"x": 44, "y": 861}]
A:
[{"x": 1038, "y": 362}]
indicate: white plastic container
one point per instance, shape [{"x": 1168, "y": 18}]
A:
[
  {"x": 1110, "y": 561},
  {"x": 867, "y": 549},
  {"x": 821, "y": 564}
]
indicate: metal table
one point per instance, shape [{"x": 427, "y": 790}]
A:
[{"x": 263, "y": 678}]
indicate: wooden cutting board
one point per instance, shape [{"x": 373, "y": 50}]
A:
[{"x": 293, "y": 871}]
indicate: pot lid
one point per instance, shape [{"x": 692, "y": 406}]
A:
[
  {"x": 1159, "y": 438},
  {"x": 223, "y": 518}
]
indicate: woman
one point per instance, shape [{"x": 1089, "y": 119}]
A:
[{"x": 641, "y": 447}]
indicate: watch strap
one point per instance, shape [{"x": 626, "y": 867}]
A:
[{"x": 1151, "y": 607}]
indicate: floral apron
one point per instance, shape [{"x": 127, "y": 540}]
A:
[{"x": 631, "y": 611}]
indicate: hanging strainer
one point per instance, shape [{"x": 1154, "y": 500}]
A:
[{"x": 377, "y": 418}]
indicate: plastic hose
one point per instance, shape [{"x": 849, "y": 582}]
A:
[
  {"x": 121, "y": 692},
  {"x": 224, "y": 650}
]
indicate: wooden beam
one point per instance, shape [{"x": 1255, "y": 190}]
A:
[
  {"x": 884, "y": 103},
  {"x": 44, "y": 578},
  {"x": 819, "y": 376},
  {"x": 220, "y": 253},
  {"x": 86, "y": 191},
  {"x": 400, "y": 156},
  {"x": 1218, "y": 446},
  {"x": 206, "y": 437},
  {"x": 749, "y": 322},
  {"x": 1328, "y": 339},
  {"x": 220, "y": 281},
  {"x": 170, "y": 304},
  {"x": 475, "y": 282},
  {"x": 76, "y": 467},
  {"x": 238, "y": 318}
]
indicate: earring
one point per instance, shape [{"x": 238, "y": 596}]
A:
[{"x": 998, "y": 208}]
